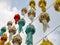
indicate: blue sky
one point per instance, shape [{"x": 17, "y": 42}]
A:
[{"x": 10, "y": 7}]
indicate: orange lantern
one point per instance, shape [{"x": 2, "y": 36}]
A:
[{"x": 3, "y": 39}]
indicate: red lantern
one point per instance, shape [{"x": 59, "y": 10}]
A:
[{"x": 16, "y": 18}]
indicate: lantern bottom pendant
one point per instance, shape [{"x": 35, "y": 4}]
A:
[{"x": 45, "y": 25}]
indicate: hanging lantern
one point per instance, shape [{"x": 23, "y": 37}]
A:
[
  {"x": 3, "y": 39},
  {"x": 8, "y": 43},
  {"x": 44, "y": 19},
  {"x": 12, "y": 31},
  {"x": 17, "y": 40},
  {"x": 43, "y": 9},
  {"x": 24, "y": 11},
  {"x": 42, "y": 3},
  {"x": 9, "y": 24},
  {"x": 30, "y": 30},
  {"x": 16, "y": 18},
  {"x": 57, "y": 5},
  {"x": 46, "y": 42},
  {"x": 21, "y": 23},
  {"x": 31, "y": 14},
  {"x": 3, "y": 30},
  {"x": 32, "y": 4}
]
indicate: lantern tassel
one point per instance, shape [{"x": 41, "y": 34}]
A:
[{"x": 45, "y": 25}]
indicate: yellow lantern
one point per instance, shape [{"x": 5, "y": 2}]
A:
[
  {"x": 46, "y": 42},
  {"x": 44, "y": 19},
  {"x": 42, "y": 3},
  {"x": 8, "y": 43},
  {"x": 43, "y": 9},
  {"x": 57, "y": 5},
  {"x": 32, "y": 4}
]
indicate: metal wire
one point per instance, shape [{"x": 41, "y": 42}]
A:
[{"x": 49, "y": 33}]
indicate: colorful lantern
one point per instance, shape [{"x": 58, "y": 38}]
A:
[
  {"x": 44, "y": 19},
  {"x": 16, "y": 18},
  {"x": 31, "y": 14},
  {"x": 46, "y": 42},
  {"x": 32, "y": 4},
  {"x": 3, "y": 39},
  {"x": 30, "y": 30},
  {"x": 24, "y": 11},
  {"x": 8, "y": 43},
  {"x": 9, "y": 24},
  {"x": 43, "y": 9},
  {"x": 42, "y": 3},
  {"x": 17, "y": 40},
  {"x": 12, "y": 31},
  {"x": 57, "y": 5},
  {"x": 3, "y": 30},
  {"x": 21, "y": 23}
]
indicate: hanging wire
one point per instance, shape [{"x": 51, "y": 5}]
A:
[{"x": 48, "y": 33}]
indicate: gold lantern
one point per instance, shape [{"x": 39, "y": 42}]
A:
[
  {"x": 57, "y": 5},
  {"x": 32, "y": 4},
  {"x": 42, "y": 3}
]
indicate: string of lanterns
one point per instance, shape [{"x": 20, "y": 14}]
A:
[{"x": 44, "y": 18}]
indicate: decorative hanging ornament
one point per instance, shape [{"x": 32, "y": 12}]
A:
[
  {"x": 30, "y": 30},
  {"x": 16, "y": 18},
  {"x": 32, "y": 4},
  {"x": 3, "y": 39},
  {"x": 9, "y": 24},
  {"x": 57, "y": 5},
  {"x": 24, "y": 11},
  {"x": 42, "y": 5},
  {"x": 17, "y": 40},
  {"x": 12, "y": 31},
  {"x": 8, "y": 43},
  {"x": 21, "y": 23},
  {"x": 44, "y": 19},
  {"x": 31, "y": 14},
  {"x": 46, "y": 42},
  {"x": 3, "y": 30}
]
